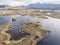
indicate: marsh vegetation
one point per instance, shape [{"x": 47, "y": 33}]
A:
[
  {"x": 29, "y": 26},
  {"x": 19, "y": 31}
]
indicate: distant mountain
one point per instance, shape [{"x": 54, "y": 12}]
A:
[
  {"x": 33, "y": 6},
  {"x": 44, "y": 6},
  {"x": 4, "y": 6},
  {"x": 19, "y": 7},
  {"x": 13, "y": 7}
]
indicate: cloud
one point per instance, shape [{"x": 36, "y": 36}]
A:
[
  {"x": 35, "y": 1},
  {"x": 46, "y": 1},
  {"x": 14, "y": 2},
  {"x": 52, "y": 1},
  {"x": 26, "y": 2}
]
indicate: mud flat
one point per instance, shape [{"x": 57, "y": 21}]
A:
[{"x": 22, "y": 12}]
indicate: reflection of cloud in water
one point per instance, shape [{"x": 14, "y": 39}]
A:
[{"x": 52, "y": 24}]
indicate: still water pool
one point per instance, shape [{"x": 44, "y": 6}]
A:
[{"x": 51, "y": 24}]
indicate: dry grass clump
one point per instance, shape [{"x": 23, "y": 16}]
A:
[{"x": 4, "y": 37}]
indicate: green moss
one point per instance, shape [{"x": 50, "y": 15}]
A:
[{"x": 14, "y": 19}]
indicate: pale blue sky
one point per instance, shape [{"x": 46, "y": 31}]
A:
[{"x": 26, "y": 2}]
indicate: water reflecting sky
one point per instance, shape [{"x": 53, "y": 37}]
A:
[{"x": 51, "y": 24}]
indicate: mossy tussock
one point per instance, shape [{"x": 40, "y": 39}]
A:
[{"x": 14, "y": 19}]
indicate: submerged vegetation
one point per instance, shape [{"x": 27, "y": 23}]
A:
[{"x": 0, "y": 18}]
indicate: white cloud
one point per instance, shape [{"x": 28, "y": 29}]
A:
[
  {"x": 26, "y": 2},
  {"x": 14, "y": 2},
  {"x": 52, "y": 1},
  {"x": 39, "y": 1},
  {"x": 46, "y": 1}
]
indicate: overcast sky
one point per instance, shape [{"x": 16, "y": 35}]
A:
[{"x": 26, "y": 2}]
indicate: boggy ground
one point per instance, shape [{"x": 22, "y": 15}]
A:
[
  {"x": 39, "y": 14},
  {"x": 33, "y": 30},
  {"x": 22, "y": 12},
  {"x": 3, "y": 35}
]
